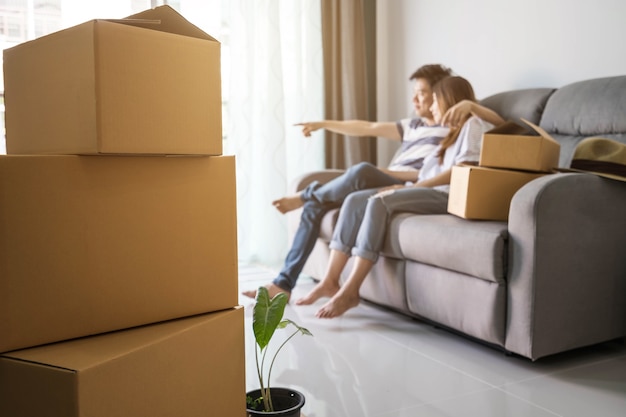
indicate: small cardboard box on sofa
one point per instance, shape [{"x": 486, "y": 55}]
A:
[{"x": 508, "y": 160}]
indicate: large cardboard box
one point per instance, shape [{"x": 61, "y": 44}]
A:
[
  {"x": 484, "y": 193},
  {"x": 190, "y": 367},
  {"x": 150, "y": 84},
  {"x": 90, "y": 244},
  {"x": 509, "y": 146}
]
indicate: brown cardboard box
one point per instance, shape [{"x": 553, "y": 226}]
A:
[
  {"x": 507, "y": 146},
  {"x": 191, "y": 367},
  {"x": 147, "y": 85},
  {"x": 484, "y": 193},
  {"x": 90, "y": 244}
]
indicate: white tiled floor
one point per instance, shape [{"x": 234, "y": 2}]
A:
[{"x": 375, "y": 363}]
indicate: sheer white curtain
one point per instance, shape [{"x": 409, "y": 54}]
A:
[
  {"x": 276, "y": 76},
  {"x": 272, "y": 77}
]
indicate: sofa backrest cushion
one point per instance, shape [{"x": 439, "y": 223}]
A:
[
  {"x": 515, "y": 104},
  {"x": 587, "y": 108},
  {"x": 595, "y": 107}
]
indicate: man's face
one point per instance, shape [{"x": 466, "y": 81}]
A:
[{"x": 422, "y": 98}]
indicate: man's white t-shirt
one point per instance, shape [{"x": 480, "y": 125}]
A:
[{"x": 418, "y": 141}]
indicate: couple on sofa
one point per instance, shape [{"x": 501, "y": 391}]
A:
[{"x": 447, "y": 131}]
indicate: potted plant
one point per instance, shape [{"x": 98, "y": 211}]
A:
[{"x": 267, "y": 316}]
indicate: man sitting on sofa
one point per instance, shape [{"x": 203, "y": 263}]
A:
[{"x": 419, "y": 137}]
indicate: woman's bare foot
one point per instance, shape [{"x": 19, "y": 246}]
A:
[
  {"x": 272, "y": 290},
  {"x": 286, "y": 204},
  {"x": 323, "y": 289},
  {"x": 338, "y": 305}
]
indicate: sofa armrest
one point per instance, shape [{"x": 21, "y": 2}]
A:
[
  {"x": 323, "y": 176},
  {"x": 567, "y": 267}
]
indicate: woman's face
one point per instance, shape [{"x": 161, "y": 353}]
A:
[{"x": 436, "y": 110}]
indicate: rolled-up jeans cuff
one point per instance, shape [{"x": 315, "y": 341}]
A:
[
  {"x": 338, "y": 246},
  {"x": 370, "y": 256},
  {"x": 307, "y": 192},
  {"x": 282, "y": 283}
]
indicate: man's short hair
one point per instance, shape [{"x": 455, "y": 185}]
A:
[{"x": 432, "y": 73}]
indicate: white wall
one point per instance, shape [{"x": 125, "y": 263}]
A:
[{"x": 497, "y": 44}]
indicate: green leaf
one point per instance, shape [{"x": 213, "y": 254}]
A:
[
  {"x": 267, "y": 315},
  {"x": 287, "y": 322}
]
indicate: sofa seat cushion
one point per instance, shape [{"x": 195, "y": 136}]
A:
[
  {"x": 328, "y": 224},
  {"x": 476, "y": 248}
]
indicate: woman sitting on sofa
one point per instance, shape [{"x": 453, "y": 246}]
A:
[{"x": 364, "y": 216}]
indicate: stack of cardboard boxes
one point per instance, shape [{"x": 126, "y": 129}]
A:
[
  {"x": 509, "y": 159},
  {"x": 118, "y": 252}
]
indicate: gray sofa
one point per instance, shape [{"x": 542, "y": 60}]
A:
[{"x": 552, "y": 278}]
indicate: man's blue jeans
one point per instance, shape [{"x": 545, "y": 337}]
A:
[{"x": 318, "y": 200}]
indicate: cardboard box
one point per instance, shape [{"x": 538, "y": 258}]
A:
[
  {"x": 484, "y": 193},
  {"x": 507, "y": 146},
  {"x": 191, "y": 367},
  {"x": 90, "y": 244},
  {"x": 147, "y": 85}
]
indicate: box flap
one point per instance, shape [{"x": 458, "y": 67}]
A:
[
  {"x": 539, "y": 130},
  {"x": 135, "y": 22},
  {"x": 165, "y": 19},
  {"x": 17, "y": 358},
  {"x": 89, "y": 352},
  {"x": 509, "y": 128}
]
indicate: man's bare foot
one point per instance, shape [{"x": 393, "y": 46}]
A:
[
  {"x": 323, "y": 289},
  {"x": 286, "y": 204},
  {"x": 272, "y": 290},
  {"x": 337, "y": 305}
]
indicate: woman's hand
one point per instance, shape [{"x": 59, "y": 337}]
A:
[
  {"x": 457, "y": 114},
  {"x": 387, "y": 190}
]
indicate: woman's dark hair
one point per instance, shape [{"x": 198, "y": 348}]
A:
[{"x": 450, "y": 91}]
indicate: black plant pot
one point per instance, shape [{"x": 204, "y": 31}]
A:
[{"x": 287, "y": 403}]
